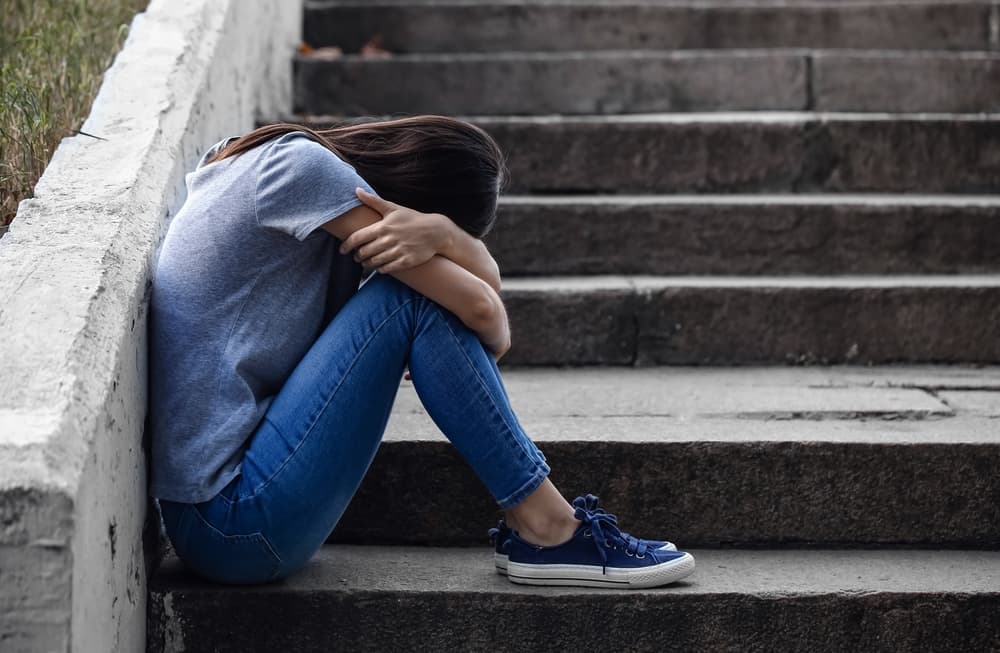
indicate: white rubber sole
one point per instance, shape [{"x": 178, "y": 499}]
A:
[
  {"x": 594, "y": 576},
  {"x": 500, "y": 560}
]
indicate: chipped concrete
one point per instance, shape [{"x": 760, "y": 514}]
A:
[
  {"x": 74, "y": 275},
  {"x": 979, "y": 402},
  {"x": 698, "y": 393},
  {"x": 689, "y": 404}
]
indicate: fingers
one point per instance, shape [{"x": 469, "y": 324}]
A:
[
  {"x": 375, "y": 202},
  {"x": 360, "y": 237},
  {"x": 401, "y": 263},
  {"x": 379, "y": 245},
  {"x": 389, "y": 262}
]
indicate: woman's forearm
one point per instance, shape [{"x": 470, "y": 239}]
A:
[
  {"x": 474, "y": 300},
  {"x": 470, "y": 298},
  {"x": 471, "y": 254}
]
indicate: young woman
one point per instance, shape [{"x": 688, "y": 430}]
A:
[{"x": 273, "y": 374}]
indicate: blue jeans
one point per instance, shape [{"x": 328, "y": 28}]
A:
[{"x": 308, "y": 455}]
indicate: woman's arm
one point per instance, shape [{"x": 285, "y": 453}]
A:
[
  {"x": 470, "y": 253},
  {"x": 445, "y": 282},
  {"x": 406, "y": 237}
]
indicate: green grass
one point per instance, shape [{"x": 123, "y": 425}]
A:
[{"x": 53, "y": 54}]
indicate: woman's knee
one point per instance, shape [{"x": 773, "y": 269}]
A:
[
  {"x": 395, "y": 291},
  {"x": 386, "y": 284}
]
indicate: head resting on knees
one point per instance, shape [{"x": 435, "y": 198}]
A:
[{"x": 434, "y": 164}]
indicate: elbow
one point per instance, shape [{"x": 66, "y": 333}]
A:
[
  {"x": 490, "y": 273},
  {"x": 483, "y": 312},
  {"x": 494, "y": 281}
]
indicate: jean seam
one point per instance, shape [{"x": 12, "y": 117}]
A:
[
  {"x": 330, "y": 397},
  {"x": 256, "y": 536},
  {"x": 204, "y": 520},
  {"x": 491, "y": 403}
]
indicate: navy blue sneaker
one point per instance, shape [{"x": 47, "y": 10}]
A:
[
  {"x": 598, "y": 555},
  {"x": 589, "y": 502},
  {"x": 500, "y": 536}
]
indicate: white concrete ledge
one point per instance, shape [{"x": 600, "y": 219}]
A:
[{"x": 74, "y": 279}]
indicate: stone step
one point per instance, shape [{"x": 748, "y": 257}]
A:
[
  {"x": 751, "y": 152},
  {"x": 464, "y": 26},
  {"x": 614, "y": 82},
  {"x": 746, "y": 234},
  {"x": 622, "y": 320},
  {"x": 778, "y": 457},
  {"x": 417, "y": 599}
]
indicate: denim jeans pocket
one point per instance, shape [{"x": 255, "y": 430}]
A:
[{"x": 232, "y": 559}]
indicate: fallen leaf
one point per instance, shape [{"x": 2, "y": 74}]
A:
[
  {"x": 327, "y": 53},
  {"x": 374, "y": 48}
]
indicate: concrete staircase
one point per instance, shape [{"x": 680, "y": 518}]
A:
[{"x": 695, "y": 182}]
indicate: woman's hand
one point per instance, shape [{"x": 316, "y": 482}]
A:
[{"x": 402, "y": 239}]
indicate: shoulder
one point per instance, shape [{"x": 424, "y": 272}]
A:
[
  {"x": 301, "y": 184},
  {"x": 301, "y": 148},
  {"x": 212, "y": 151},
  {"x": 296, "y": 160}
]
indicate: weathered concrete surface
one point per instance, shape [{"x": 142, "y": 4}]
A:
[
  {"x": 755, "y": 457},
  {"x": 643, "y": 81},
  {"x": 688, "y": 404},
  {"x": 746, "y": 234},
  {"x": 74, "y": 271},
  {"x": 727, "y": 153},
  {"x": 560, "y": 26},
  {"x": 934, "y": 82},
  {"x": 408, "y": 599},
  {"x": 979, "y": 402},
  {"x": 582, "y": 321},
  {"x": 692, "y": 394},
  {"x": 852, "y": 320},
  {"x": 760, "y": 153},
  {"x": 525, "y": 83},
  {"x": 747, "y": 320}
]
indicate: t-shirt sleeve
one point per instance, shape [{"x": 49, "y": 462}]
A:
[
  {"x": 302, "y": 185},
  {"x": 212, "y": 151}
]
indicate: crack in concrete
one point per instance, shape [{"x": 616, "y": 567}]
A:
[
  {"x": 994, "y": 26},
  {"x": 936, "y": 396},
  {"x": 809, "y": 81},
  {"x": 952, "y": 388},
  {"x": 834, "y": 415},
  {"x": 616, "y": 415},
  {"x": 894, "y": 385},
  {"x": 637, "y": 300}
]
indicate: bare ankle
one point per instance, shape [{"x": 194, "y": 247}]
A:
[
  {"x": 545, "y": 530},
  {"x": 543, "y": 517}
]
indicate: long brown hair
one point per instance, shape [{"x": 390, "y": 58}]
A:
[{"x": 433, "y": 164}]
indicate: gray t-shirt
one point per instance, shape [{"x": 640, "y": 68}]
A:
[{"x": 244, "y": 284}]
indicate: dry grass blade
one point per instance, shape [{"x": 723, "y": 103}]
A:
[{"x": 53, "y": 54}]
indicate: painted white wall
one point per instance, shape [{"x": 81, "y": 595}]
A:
[{"x": 74, "y": 283}]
